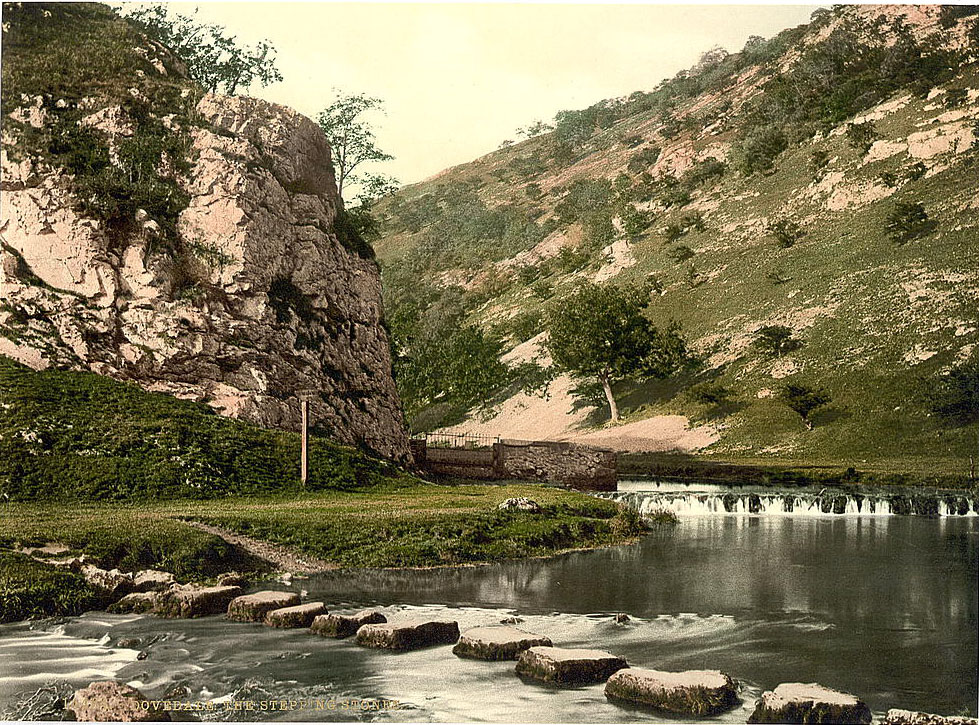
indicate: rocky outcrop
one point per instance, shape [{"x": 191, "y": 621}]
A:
[
  {"x": 111, "y": 701},
  {"x": 254, "y": 607},
  {"x": 497, "y": 643},
  {"x": 340, "y": 626},
  {"x": 261, "y": 301},
  {"x": 794, "y": 702},
  {"x": 301, "y": 615},
  {"x": 568, "y": 666},
  {"x": 408, "y": 634},
  {"x": 695, "y": 693}
]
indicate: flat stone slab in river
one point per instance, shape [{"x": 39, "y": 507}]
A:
[
  {"x": 795, "y": 702},
  {"x": 151, "y": 580},
  {"x": 111, "y": 701},
  {"x": 190, "y": 601},
  {"x": 909, "y": 717},
  {"x": 135, "y": 603},
  {"x": 254, "y": 607},
  {"x": 407, "y": 635},
  {"x": 568, "y": 666},
  {"x": 301, "y": 615},
  {"x": 340, "y": 626},
  {"x": 497, "y": 643},
  {"x": 695, "y": 692}
]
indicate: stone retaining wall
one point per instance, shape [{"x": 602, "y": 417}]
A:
[{"x": 570, "y": 464}]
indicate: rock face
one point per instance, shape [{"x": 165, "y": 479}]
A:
[
  {"x": 190, "y": 601},
  {"x": 908, "y": 717},
  {"x": 794, "y": 702},
  {"x": 408, "y": 635},
  {"x": 694, "y": 693},
  {"x": 254, "y": 607},
  {"x": 340, "y": 626},
  {"x": 113, "y": 702},
  {"x": 301, "y": 615},
  {"x": 262, "y": 302},
  {"x": 497, "y": 643},
  {"x": 568, "y": 666}
]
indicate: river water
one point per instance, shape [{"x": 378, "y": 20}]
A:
[{"x": 885, "y": 607}]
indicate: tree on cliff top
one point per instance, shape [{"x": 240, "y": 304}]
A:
[
  {"x": 352, "y": 140},
  {"x": 600, "y": 332},
  {"x": 214, "y": 59}
]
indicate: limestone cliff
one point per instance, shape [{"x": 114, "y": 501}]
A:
[{"x": 250, "y": 300}]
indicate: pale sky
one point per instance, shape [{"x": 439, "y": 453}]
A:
[{"x": 459, "y": 78}]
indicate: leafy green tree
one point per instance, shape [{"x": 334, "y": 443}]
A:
[
  {"x": 351, "y": 137},
  {"x": 214, "y": 58},
  {"x": 600, "y": 332},
  {"x": 804, "y": 400},
  {"x": 776, "y": 340}
]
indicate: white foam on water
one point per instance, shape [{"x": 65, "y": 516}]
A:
[{"x": 698, "y": 502}]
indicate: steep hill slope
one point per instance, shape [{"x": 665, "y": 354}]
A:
[
  {"x": 192, "y": 243},
  {"x": 775, "y": 187}
]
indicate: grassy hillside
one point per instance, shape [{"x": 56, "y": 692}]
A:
[
  {"x": 75, "y": 436},
  {"x": 777, "y": 186}
]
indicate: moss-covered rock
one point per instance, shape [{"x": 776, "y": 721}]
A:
[
  {"x": 497, "y": 643},
  {"x": 812, "y": 704},
  {"x": 695, "y": 693},
  {"x": 340, "y": 626},
  {"x": 568, "y": 666}
]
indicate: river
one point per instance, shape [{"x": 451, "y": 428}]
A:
[{"x": 883, "y": 606}]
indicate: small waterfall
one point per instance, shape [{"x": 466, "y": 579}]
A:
[{"x": 695, "y": 501}]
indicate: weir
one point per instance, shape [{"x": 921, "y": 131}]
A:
[{"x": 710, "y": 500}]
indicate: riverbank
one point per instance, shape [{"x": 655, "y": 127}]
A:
[
  {"x": 931, "y": 473},
  {"x": 395, "y": 525}
]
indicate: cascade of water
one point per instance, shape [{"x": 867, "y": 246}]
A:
[{"x": 794, "y": 503}]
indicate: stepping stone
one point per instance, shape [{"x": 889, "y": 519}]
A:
[
  {"x": 695, "y": 693},
  {"x": 909, "y": 717},
  {"x": 189, "y": 601},
  {"x": 406, "y": 635},
  {"x": 254, "y": 607},
  {"x": 135, "y": 603},
  {"x": 301, "y": 615},
  {"x": 152, "y": 580},
  {"x": 795, "y": 702},
  {"x": 568, "y": 666},
  {"x": 340, "y": 626},
  {"x": 232, "y": 579},
  {"x": 112, "y": 584},
  {"x": 497, "y": 643},
  {"x": 110, "y": 701}
]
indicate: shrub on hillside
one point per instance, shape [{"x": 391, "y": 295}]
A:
[
  {"x": 861, "y": 135},
  {"x": 955, "y": 395},
  {"x": 642, "y": 160},
  {"x": 776, "y": 340},
  {"x": 908, "y": 221},
  {"x": 804, "y": 400},
  {"x": 786, "y": 232},
  {"x": 680, "y": 253}
]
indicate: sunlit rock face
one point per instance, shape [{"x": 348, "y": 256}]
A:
[{"x": 262, "y": 302}]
